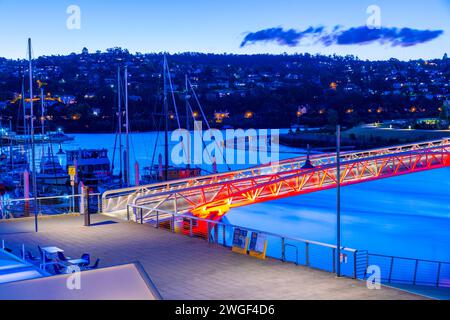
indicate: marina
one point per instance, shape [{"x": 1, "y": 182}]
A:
[{"x": 254, "y": 161}]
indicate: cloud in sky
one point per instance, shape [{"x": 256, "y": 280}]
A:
[{"x": 404, "y": 37}]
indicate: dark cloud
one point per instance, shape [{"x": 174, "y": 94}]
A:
[
  {"x": 289, "y": 37},
  {"x": 405, "y": 37}
]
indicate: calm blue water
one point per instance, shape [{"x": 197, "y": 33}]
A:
[{"x": 406, "y": 216}]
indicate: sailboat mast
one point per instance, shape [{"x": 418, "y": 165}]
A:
[
  {"x": 119, "y": 101},
  {"x": 127, "y": 123},
  {"x": 33, "y": 156},
  {"x": 188, "y": 143},
  {"x": 24, "y": 107},
  {"x": 166, "y": 125},
  {"x": 42, "y": 112}
]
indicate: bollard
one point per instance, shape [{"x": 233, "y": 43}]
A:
[{"x": 87, "y": 211}]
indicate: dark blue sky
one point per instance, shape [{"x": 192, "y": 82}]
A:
[{"x": 211, "y": 25}]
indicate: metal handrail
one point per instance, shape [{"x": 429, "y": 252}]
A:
[
  {"x": 296, "y": 252},
  {"x": 409, "y": 259},
  {"x": 246, "y": 228},
  {"x": 329, "y": 156},
  {"x": 5, "y": 211},
  {"x": 50, "y": 197}
]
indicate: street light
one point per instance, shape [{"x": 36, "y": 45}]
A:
[{"x": 338, "y": 200}]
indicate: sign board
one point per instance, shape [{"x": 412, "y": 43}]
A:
[
  {"x": 239, "y": 237},
  {"x": 257, "y": 242},
  {"x": 72, "y": 172},
  {"x": 258, "y": 245},
  {"x": 240, "y": 241}
]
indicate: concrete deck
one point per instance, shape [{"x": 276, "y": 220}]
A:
[{"x": 187, "y": 268}]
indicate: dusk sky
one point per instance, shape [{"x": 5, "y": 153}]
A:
[{"x": 213, "y": 26}]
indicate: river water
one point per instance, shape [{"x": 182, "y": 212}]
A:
[{"x": 407, "y": 216}]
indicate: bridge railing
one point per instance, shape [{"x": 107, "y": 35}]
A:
[
  {"x": 256, "y": 188},
  {"x": 117, "y": 200},
  {"x": 308, "y": 253},
  {"x": 11, "y": 208}
]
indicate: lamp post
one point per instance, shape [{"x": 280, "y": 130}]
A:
[{"x": 338, "y": 200}]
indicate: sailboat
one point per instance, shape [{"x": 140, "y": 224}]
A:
[
  {"x": 163, "y": 171},
  {"x": 51, "y": 172}
]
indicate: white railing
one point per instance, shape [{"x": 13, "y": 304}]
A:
[{"x": 117, "y": 200}]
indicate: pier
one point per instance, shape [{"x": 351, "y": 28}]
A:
[{"x": 188, "y": 268}]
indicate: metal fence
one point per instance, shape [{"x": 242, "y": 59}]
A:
[
  {"x": 308, "y": 253},
  {"x": 354, "y": 263},
  {"x": 409, "y": 271},
  {"x": 11, "y": 208}
]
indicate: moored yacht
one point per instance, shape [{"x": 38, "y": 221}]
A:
[{"x": 93, "y": 166}]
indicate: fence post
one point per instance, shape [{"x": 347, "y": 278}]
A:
[
  {"x": 190, "y": 227},
  {"x": 283, "y": 253},
  {"x": 334, "y": 260},
  {"x": 128, "y": 213},
  {"x": 142, "y": 217},
  {"x": 216, "y": 234},
  {"x": 415, "y": 271},
  {"x": 224, "y": 235},
  {"x": 390, "y": 269},
  {"x": 173, "y": 223},
  {"x": 99, "y": 205},
  {"x": 438, "y": 275},
  {"x": 307, "y": 253},
  {"x": 157, "y": 219},
  {"x": 208, "y": 231}
]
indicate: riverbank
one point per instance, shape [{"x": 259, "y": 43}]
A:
[{"x": 361, "y": 137}]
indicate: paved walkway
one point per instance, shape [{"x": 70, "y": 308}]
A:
[{"x": 187, "y": 268}]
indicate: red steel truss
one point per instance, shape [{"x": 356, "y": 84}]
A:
[{"x": 217, "y": 197}]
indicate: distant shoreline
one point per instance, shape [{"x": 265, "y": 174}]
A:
[{"x": 362, "y": 137}]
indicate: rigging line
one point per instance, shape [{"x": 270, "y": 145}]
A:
[
  {"x": 174, "y": 103},
  {"x": 158, "y": 124},
  {"x": 114, "y": 153},
  {"x": 156, "y": 144},
  {"x": 129, "y": 136},
  {"x": 197, "y": 126},
  {"x": 50, "y": 156},
  {"x": 173, "y": 95},
  {"x": 206, "y": 120}
]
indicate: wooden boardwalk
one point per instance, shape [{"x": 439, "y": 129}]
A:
[{"x": 187, "y": 268}]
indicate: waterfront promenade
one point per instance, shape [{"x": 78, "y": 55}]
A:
[{"x": 187, "y": 268}]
